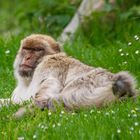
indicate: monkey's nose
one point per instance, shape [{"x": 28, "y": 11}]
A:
[{"x": 28, "y": 57}]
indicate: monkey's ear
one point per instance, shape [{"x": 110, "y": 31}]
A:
[
  {"x": 21, "y": 44},
  {"x": 21, "y": 41},
  {"x": 57, "y": 47}
]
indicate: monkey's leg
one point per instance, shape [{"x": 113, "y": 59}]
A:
[
  {"x": 93, "y": 90},
  {"x": 80, "y": 94},
  {"x": 71, "y": 98},
  {"x": 81, "y": 99},
  {"x": 99, "y": 90},
  {"x": 85, "y": 97}
]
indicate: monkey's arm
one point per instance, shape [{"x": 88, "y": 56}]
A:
[
  {"x": 44, "y": 91},
  {"x": 50, "y": 88}
]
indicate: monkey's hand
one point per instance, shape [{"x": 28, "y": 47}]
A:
[
  {"x": 49, "y": 103},
  {"x": 5, "y": 102},
  {"x": 42, "y": 103}
]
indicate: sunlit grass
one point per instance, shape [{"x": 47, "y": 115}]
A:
[
  {"x": 118, "y": 121},
  {"x": 115, "y": 50}
]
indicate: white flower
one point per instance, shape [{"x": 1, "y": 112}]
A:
[
  {"x": 122, "y": 54},
  {"x": 136, "y": 37},
  {"x": 135, "y": 115},
  {"x": 20, "y": 138},
  {"x": 132, "y": 128},
  {"x": 133, "y": 111},
  {"x": 136, "y": 123},
  {"x": 118, "y": 131},
  {"x": 129, "y": 43},
  {"x": 34, "y": 136},
  {"x": 106, "y": 113},
  {"x": 7, "y": 51},
  {"x": 42, "y": 126},
  {"x": 39, "y": 125},
  {"x": 120, "y": 50},
  {"x": 98, "y": 112},
  {"x": 62, "y": 112},
  {"x": 53, "y": 125},
  {"x": 137, "y": 52},
  {"x": 58, "y": 124},
  {"x": 127, "y": 54},
  {"x": 129, "y": 115},
  {"x": 113, "y": 112},
  {"x": 73, "y": 113},
  {"x": 91, "y": 111},
  {"x": 49, "y": 113},
  {"x": 125, "y": 62},
  {"x": 85, "y": 115}
]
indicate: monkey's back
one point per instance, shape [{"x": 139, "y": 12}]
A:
[{"x": 68, "y": 69}]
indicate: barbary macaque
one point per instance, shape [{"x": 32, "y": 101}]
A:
[{"x": 46, "y": 75}]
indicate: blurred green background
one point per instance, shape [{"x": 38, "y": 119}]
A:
[
  {"x": 44, "y": 16},
  {"x": 48, "y": 16}
]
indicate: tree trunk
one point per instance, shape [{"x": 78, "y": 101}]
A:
[{"x": 85, "y": 9}]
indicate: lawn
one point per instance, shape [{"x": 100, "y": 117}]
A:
[{"x": 109, "y": 39}]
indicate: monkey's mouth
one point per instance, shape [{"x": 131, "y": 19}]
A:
[
  {"x": 26, "y": 66},
  {"x": 26, "y": 70}
]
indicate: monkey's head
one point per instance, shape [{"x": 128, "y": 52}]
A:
[{"x": 32, "y": 49}]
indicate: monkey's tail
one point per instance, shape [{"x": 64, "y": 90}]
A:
[{"x": 124, "y": 84}]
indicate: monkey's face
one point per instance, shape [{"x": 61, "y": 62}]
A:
[
  {"x": 31, "y": 56},
  {"x": 33, "y": 49}
]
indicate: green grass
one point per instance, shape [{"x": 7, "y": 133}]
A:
[
  {"x": 102, "y": 42},
  {"x": 86, "y": 124}
]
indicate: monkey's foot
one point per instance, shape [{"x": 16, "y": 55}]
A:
[{"x": 43, "y": 103}]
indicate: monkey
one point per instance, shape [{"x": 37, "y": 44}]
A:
[{"x": 46, "y": 75}]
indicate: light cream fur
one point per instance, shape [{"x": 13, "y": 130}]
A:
[{"x": 63, "y": 79}]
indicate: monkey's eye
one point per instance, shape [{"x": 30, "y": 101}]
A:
[
  {"x": 38, "y": 49},
  {"x": 33, "y": 49}
]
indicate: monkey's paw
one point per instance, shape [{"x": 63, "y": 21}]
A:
[{"x": 43, "y": 103}]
